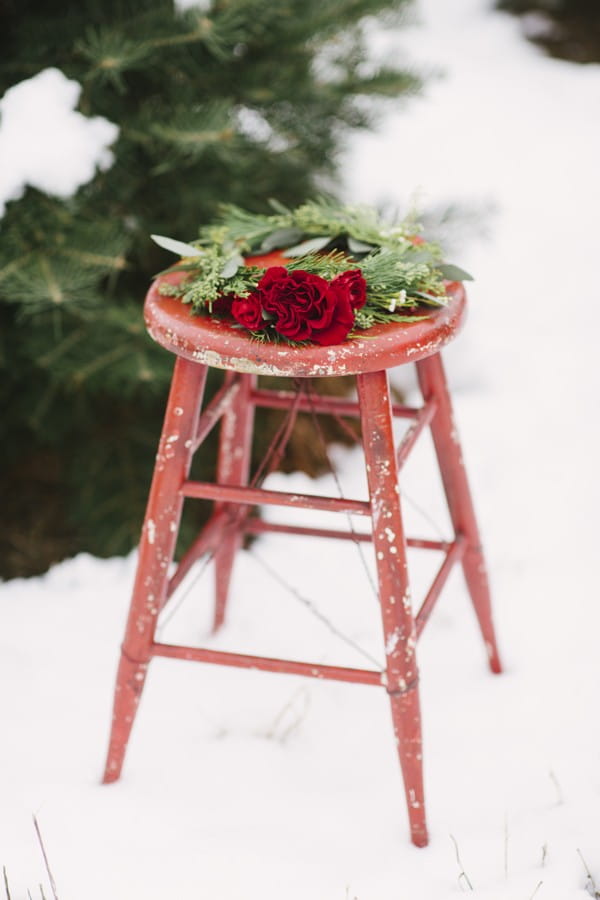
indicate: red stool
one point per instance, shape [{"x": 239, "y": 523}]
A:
[{"x": 201, "y": 342}]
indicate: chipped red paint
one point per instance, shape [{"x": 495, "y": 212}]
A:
[{"x": 201, "y": 341}]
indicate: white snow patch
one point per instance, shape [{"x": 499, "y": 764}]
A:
[
  {"x": 511, "y": 761},
  {"x": 45, "y": 143},
  {"x": 200, "y": 5}
]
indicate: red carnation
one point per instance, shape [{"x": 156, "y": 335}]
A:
[
  {"x": 248, "y": 311},
  {"x": 222, "y": 305},
  {"x": 355, "y": 285},
  {"x": 305, "y": 307}
]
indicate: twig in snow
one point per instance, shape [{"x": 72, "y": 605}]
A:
[
  {"x": 590, "y": 884},
  {"x": 559, "y": 794},
  {"x": 51, "y": 879},
  {"x": 544, "y": 854},
  {"x": 6, "y": 888},
  {"x": 312, "y": 608},
  {"x": 289, "y": 716},
  {"x": 537, "y": 887},
  {"x": 462, "y": 874}
]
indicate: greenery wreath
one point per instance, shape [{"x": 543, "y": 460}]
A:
[{"x": 319, "y": 273}]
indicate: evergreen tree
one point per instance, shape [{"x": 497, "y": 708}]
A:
[
  {"x": 241, "y": 101},
  {"x": 567, "y": 29}
]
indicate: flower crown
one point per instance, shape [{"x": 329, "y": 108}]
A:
[{"x": 317, "y": 274}]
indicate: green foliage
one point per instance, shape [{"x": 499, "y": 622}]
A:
[
  {"x": 401, "y": 269},
  {"x": 246, "y": 101}
]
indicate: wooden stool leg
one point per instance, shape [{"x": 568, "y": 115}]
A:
[
  {"x": 454, "y": 477},
  {"x": 233, "y": 467},
  {"x": 394, "y": 594},
  {"x": 157, "y": 546}
]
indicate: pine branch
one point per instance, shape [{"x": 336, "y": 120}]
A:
[{"x": 233, "y": 105}]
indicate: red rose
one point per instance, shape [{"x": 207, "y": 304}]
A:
[
  {"x": 248, "y": 311},
  {"x": 355, "y": 285},
  {"x": 222, "y": 305},
  {"x": 342, "y": 317},
  {"x": 305, "y": 307}
]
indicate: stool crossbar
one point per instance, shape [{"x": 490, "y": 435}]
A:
[{"x": 201, "y": 343}]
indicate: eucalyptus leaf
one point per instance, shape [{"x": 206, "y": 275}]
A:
[
  {"x": 232, "y": 265},
  {"x": 278, "y": 206},
  {"x": 178, "y": 247},
  {"x": 178, "y": 267},
  {"x": 418, "y": 255},
  {"x": 310, "y": 246},
  {"x": 355, "y": 246},
  {"x": 453, "y": 273},
  {"x": 282, "y": 237}
]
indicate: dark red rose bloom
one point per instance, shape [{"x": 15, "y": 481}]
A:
[
  {"x": 248, "y": 311},
  {"x": 356, "y": 286},
  {"x": 273, "y": 275},
  {"x": 305, "y": 307},
  {"x": 222, "y": 305},
  {"x": 342, "y": 317}
]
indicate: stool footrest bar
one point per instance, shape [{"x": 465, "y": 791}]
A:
[
  {"x": 454, "y": 555},
  {"x": 225, "y": 493},
  {"x": 268, "y": 664},
  {"x": 258, "y": 526},
  {"x": 320, "y": 403}
]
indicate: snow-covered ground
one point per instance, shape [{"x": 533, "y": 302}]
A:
[{"x": 241, "y": 784}]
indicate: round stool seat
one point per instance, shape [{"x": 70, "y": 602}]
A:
[{"x": 217, "y": 343}]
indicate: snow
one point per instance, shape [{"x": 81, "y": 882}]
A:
[
  {"x": 200, "y": 5},
  {"x": 45, "y": 143},
  {"x": 246, "y": 784}
]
